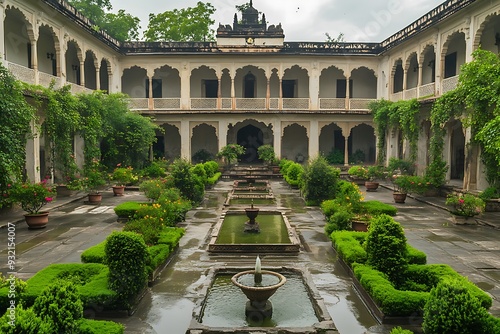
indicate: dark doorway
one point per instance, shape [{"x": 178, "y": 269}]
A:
[
  {"x": 249, "y": 89},
  {"x": 157, "y": 90},
  {"x": 450, "y": 65},
  {"x": 211, "y": 87},
  {"x": 288, "y": 87},
  {"x": 251, "y": 138},
  {"x": 342, "y": 88}
]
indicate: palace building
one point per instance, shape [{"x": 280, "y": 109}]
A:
[{"x": 252, "y": 87}]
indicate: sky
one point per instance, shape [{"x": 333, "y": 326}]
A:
[{"x": 305, "y": 20}]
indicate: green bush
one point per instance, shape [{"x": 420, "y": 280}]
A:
[
  {"x": 212, "y": 180},
  {"x": 155, "y": 170},
  {"x": 386, "y": 248},
  {"x": 399, "y": 330},
  {"x": 60, "y": 306},
  {"x": 171, "y": 236},
  {"x": 415, "y": 256},
  {"x": 348, "y": 195},
  {"x": 284, "y": 164},
  {"x": 335, "y": 157},
  {"x": 126, "y": 256},
  {"x": 94, "y": 254},
  {"x": 26, "y": 321},
  {"x": 319, "y": 181},
  {"x": 5, "y": 290},
  {"x": 199, "y": 170},
  {"x": 451, "y": 308},
  {"x": 340, "y": 220},
  {"x": 377, "y": 208},
  {"x": 329, "y": 207},
  {"x": 148, "y": 228},
  {"x": 211, "y": 168},
  {"x": 127, "y": 209},
  {"x": 190, "y": 185},
  {"x": 89, "y": 326},
  {"x": 489, "y": 193},
  {"x": 153, "y": 189},
  {"x": 158, "y": 254},
  {"x": 402, "y": 166},
  {"x": 294, "y": 174},
  {"x": 174, "y": 210}
]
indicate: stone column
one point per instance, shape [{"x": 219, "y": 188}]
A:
[
  {"x": 222, "y": 133},
  {"x": 98, "y": 78},
  {"x": 34, "y": 59},
  {"x": 419, "y": 79},
  {"x": 150, "y": 90},
  {"x": 347, "y": 92},
  {"x": 79, "y": 144},
  {"x": 2, "y": 35},
  {"x": 268, "y": 93},
  {"x": 346, "y": 131},
  {"x": 233, "y": 94},
  {"x": 405, "y": 78},
  {"x": 314, "y": 87},
  {"x": 313, "y": 139},
  {"x": 219, "y": 94},
  {"x": 185, "y": 87},
  {"x": 280, "y": 101},
  {"x": 185, "y": 133},
  {"x": 33, "y": 155},
  {"x": 277, "y": 137},
  {"x": 82, "y": 73}
]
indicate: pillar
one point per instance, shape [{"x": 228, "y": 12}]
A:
[
  {"x": 33, "y": 155},
  {"x": 233, "y": 94},
  {"x": 98, "y": 78},
  {"x": 347, "y": 92},
  {"x": 314, "y": 87},
  {"x": 2, "y": 35},
  {"x": 268, "y": 93},
  {"x": 79, "y": 144},
  {"x": 185, "y": 87},
  {"x": 150, "y": 90},
  {"x": 185, "y": 140},
  {"x": 313, "y": 139},
  {"x": 280, "y": 101},
  {"x": 222, "y": 134},
  {"x": 419, "y": 79},
  {"x": 277, "y": 137},
  {"x": 34, "y": 59},
  {"x": 219, "y": 94}
]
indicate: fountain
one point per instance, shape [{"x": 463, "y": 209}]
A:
[
  {"x": 251, "y": 226},
  {"x": 265, "y": 283}
]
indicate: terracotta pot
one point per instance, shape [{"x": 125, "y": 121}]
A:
[
  {"x": 399, "y": 197},
  {"x": 37, "y": 220},
  {"x": 360, "y": 226},
  {"x": 118, "y": 190},
  {"x": 371, "y": 186},
  {"x": 95, "y": 198},
  {"x": 63, "y": 191}
]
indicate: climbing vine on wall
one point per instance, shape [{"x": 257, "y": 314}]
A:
[{"x": 401, "y": 114}]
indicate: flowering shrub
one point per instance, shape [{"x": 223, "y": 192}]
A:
[
  {"x": 94, "y": 177},
  {"x": 466, "y": 205},
  {"x": 359, "y": 172},
  {"x": 410, "y": 184},
  {"x": 32, "y": 196},
  {"x": 123, "y": 175}
]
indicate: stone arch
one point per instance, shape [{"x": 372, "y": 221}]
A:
[
  {"x": 204, "y": 142},
  {"x": 167, "y": 80},
  {"x": 330, "y": 80},
  {"x": 397, "y": 75},
  {"x": 134, "y": 81},
  {"x": 411, "y": 67},
  {"x": 90, "y": 69},
  {"x": 300, "y": 76},
  {"x": 362, "y": 143},
  {"x": 203, "y": 82},
  {"x": 364, "y": 83},
  {"x": 482, "y": 31},
  {"x": 250, "y": 134},
  {"x": 451, "y": 44},
  {"x": 49, "y": 50},
  {"x": 105, "y": 71},
  {"x": 260, "y": 83},
  {"x": 295, "y": 143},
  {"x": 427, "y": 59},
  {"x": 73, "y": 57},
  {"x": 172, "y": 140},
  {"x": 18, "y": 37},
  {"x": 457, "y": 150},
  {"x": 331, "y": 142}
]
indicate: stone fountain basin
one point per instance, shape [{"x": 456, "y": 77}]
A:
[
  {"x": 288, "y": 246},
  {"x": 258, "y": 293}
]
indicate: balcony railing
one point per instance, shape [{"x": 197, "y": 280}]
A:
[
  {"x": 167, "y": 103},
  {"x": 360, "y": 104},
  {"x": 251, "y": 104},
  {"x": 397, "y": 96},
  {"x": 45, "y": 80},
  {"x": 77, "y": 89},
  {"x": 410, "y": 93},
  {"x": 426, "y": 90},
  {"x": 331, "y": 103},
  {"x": 450, "y": 84},
  {"x": 138, "y": 103},
  {"x": 22, "y": 73}
]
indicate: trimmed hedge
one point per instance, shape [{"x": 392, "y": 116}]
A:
[
  {"x": 171, "y": 236},
  {"x": 377, "y": 208},
  {"x": 94, "y": 254},
  {"x": 127, "y": 209},
  {"x": 395, "y": 302},
  {"x": 213, "y": 179},
  {"x": 349, "y": 246},
  {"x": 157, "y": 255},
  {"x": 91, "y": 280},
  {"x": 89, "y": 326}
]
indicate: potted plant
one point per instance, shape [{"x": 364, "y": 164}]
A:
[
  {"x": 266, "y": 154},
  {"x": 464, "y": 205},
  {"x": 93, "y": 181},
  {"x": 121, "y": 176},
  {"x": 374, "y": 173},
  {"x": 405, "y": 184},
  {"x": 231, "y": 153},
  {"x": 358, "y": 174},
  {"x": 33, "y": 197}
]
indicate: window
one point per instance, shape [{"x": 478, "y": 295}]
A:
[
  {"x": 211, "y": 87},
  {"x": 288, "y": 88},
  {"x": 450, "y": 65},
  {"x": 249, "y": 86}
]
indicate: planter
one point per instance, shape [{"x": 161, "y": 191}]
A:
[
  {"x": 118, "y": 190},
  {"x": 37, "y": 220},
  {"x": 492, "y": 205},
  {"x": 63, "y": 191},
  {"x": 359, "y": 225},
  {"x": 399, "y": 197},
  {"x": 371, "y": 186},
  {"x": 275, "y": 169},
  {"x": 359, "y": 181},
  {"x": 95, "y": 198},
  {"x": 463, "y": 220}
]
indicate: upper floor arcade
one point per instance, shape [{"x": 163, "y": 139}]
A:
[{"x": 416, "y": 62}]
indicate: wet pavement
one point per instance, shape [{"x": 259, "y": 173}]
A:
[{"x": 472, "y": 250}]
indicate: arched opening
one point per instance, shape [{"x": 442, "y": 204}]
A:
[
  {"x": 172, "y": 142},
  {"x": 104, "y": 71},
  {"x": 398, "y": 77},
  {"x": 362, "y": 145},
  {"x": 332, "y": 144},
  {"x": 251, "y": 138},
  {"x": 295, "y": 143},
  {"x": 73, "y": 73},
  {"x": 204, "y": 144},
  {"x": 457, "y": 163},
  {"x": 90, "y": 70}
]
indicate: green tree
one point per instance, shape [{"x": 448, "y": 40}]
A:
[
  {"x": 319, "y": 181},
  {"x": 191, "y": 24},
  {"x": 122, "y": 26},
  {"x": 190, "y": 185}
]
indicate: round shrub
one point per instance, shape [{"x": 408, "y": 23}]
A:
[
  {"x": 126, "y": 256},
  {"x": 386, "y": 248},
  {"x": 399, "y": 330},
  {"x": 26, "y": 322},
  {"x": 190, "y": 185},
  {"x": 60, "y": 306},
  {"x": 451, "y": 308},
  {"x": 341, "y": 220},
  {"x": 319, "y": 181},
  {"x": 199, "y": 170},
  {"x": 211, "y": 167}
]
